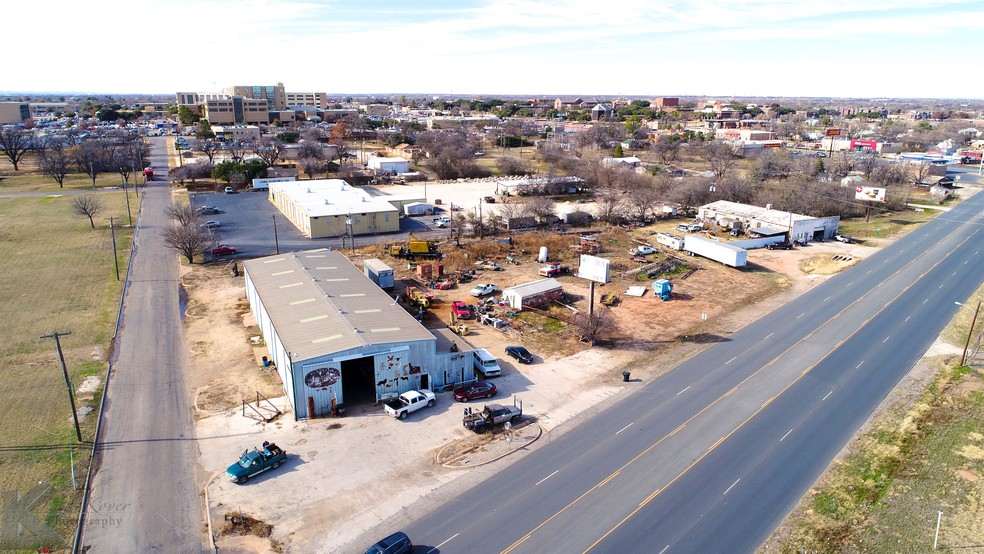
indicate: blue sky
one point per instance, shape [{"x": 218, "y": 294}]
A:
[{"x": 870, "y": 48}]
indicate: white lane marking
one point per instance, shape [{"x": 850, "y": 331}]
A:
[
  {"x": 886, "y": 260},
  {"x": 851, "y": 283},
  {"x": 683, "y": 391},
  {"x": 907, "y": 319},
  {"x": 955, "y": 273},
  {"x": 665, "y": 548},
  {"x": 731, "y": 487},
  {"x": 542, "y": 480},
  {"x": 869, "y": 271},
  {"x": 826, "y": 299},
  {"x": 443, "y": 543},
  {"x": 884, "y": 341},
  {"x": 769, "y": 335},
  {"x": 926, "y": 300},
  {"x": 801, "y": 315},
  {"x": 828, "y": 394},
  {"x": 731, "y": 360},
  {"x": 616, "y": 432},
  {"x": 859, "y": 365},
  {"x": 941, "y": 285},
  {"x": 786, "y": 435}
]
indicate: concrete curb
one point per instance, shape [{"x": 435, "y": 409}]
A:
[
  {"x": 450, "y": 464},
  {"x": 208, "y": 512}
]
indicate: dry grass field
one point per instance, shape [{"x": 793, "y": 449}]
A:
[{"x": 58, "y": 275}]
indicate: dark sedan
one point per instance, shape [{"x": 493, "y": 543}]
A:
[
  {"x": 474, "y": 391},
  {"x": 521, "y": 354},
  {"x": 397, "y": 543}
]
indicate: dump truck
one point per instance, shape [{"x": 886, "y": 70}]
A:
[{"x": 415, "y": 248}]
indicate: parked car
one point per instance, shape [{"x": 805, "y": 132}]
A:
[
  {"x": 230, "y": 190},
  {"x": 211, "y": 224},
  {"x": 521, "y": 354},
  {"x": 409, "y": 402},
  {"x": 643, "y": 250},
  {"x": 483, "y": 289},
  {"x": 208, "y": 210},
  {"x": 780, "y": 246},
  {"x": 461, "y": 310},
  {"x": 397, "y": 543},
  {"x": 800, "y": 242},
  {"x": 223, "y": 249},
  {"x": 682, "y": 227},
  {"x": 695, "y": 227},
  {"x": 481, "y": 389},
  {"x": 256, "y": 461},
  {"x": 846, "y": 239},
  {"x": 489, "y": 199}
]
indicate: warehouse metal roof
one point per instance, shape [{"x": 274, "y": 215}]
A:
[
  {"x": 320, "y": 303},
  {"x": 533, "y": 288},
  {"x": 326, "y": 197},
  {"x": 773, "y": 217}
]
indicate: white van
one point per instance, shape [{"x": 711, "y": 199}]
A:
[{"x": 486, "y": 363}]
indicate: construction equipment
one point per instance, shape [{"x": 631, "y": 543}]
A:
[
  {"x": 418, "y": 297},
  {"x": 458, "y": 328},
  {"x": 609, "y": 299},
  {"x": 415, "y": 248}
]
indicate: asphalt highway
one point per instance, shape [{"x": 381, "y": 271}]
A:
[{"x": 711, "y": 456}]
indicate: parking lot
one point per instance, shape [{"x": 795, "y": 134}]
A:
[{"x": 246, "y": 222}]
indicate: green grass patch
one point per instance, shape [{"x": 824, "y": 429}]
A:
[{"x": 58, "y": 275}]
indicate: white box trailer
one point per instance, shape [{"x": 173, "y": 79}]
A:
[
  {"x": 264, "y": 184},
  {"x": 670, "y": 240},
  {"x": 716, "y": 250},
  {"x": 418, "y": 208}
]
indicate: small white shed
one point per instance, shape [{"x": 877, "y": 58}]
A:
[
  {"x": 389, "y": 165},
  {"x": 535, "y": 293}
]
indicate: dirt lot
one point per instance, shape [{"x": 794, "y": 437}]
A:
[{"x": 315, "y": 509}]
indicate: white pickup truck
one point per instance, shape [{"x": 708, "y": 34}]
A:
[{"x": 410, "y": 401}]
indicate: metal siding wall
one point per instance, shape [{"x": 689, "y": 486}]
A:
[{"x": 278, "y": 354}]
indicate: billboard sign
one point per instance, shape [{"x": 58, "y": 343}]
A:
[
  {"x": 833, "y": 132},
  {"x": 873, "y": 194},
  {"x": 594, "y": 269}
]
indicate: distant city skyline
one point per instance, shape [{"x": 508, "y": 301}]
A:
[{"x": 764, "y": 48}]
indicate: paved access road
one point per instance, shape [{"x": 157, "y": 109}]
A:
[
  {"x": 711, "y": 456},
  {"x": 144, "y": 497}
]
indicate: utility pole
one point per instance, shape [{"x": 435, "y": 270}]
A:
[
  {"x": 68, "y": 382},
  {"x": 275, "y": 239},
  {"x": 116, "y": 258},
  {"x": 970, "y": 332},
  {"x": 126, "y": 193}
]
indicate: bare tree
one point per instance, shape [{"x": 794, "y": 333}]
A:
[
  {"x": 735, "y": 189},
  {"x": 509, "y": 165},
  {"x": 918, "y": 172},
  {"x": 312, "y": 167},
  {"x": 542, "y": 207},
  {"x": 642, "y": 200},
  {"x": 91, "y": 158},
  {"x": 866, "y": 164},
  {"x": 721, "y": 156},
  {"x": 184, "y": 214},
  {"x": 87, "y": 205},
  {"x": 186, "y": 240},
  {"x": 209, "y": 147},
  {"x": 598, "y": 326},
  {"x": 237, "y": 150},
  {"x": 55, "y": 161},
  {"x": 16, "y": 143},
  {"x": 667, "y": 149},
  {"x": 269, "y": 150}
]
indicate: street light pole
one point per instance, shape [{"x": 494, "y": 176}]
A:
[
  {"x": 126, "y": 193},
  {"x": 275, "y": 239},
  {"x": 116, "y": 258}
]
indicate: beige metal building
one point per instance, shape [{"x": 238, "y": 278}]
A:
[
  {"x": 274, "y": 94},
  {"x": 332, "y": 208},
  {"x": 12, "y": 113},
  {"x": 335, "y": 337},
  {"x": 237, "y": 109},
  {"x": 315, "y": 99}
]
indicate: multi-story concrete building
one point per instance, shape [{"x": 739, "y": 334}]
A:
[
  {"x": 188, "y": 98},
  {"x": 315, "y": 99},
  {"x": 12, "y": 113},
  {"x": 275, "y": 95},
  {"x": 237, "y": 109}
]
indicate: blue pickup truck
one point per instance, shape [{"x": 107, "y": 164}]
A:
[{"x": 256, "y": 461}]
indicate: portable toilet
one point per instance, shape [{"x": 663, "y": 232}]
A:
[{"x": 662, "y": 288}]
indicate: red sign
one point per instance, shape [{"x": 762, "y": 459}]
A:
[{"x": 833, "y": 132}]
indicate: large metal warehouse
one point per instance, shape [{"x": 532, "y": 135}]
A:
[
  {"x": 336, "y": 337},
  {"x": 799, "y": 226},
  {"x": 331, "y": 208}
]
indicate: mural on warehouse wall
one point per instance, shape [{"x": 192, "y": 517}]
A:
[
  {"x": 324, "y": 379},
  {"x": 393, "y": 369}
]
